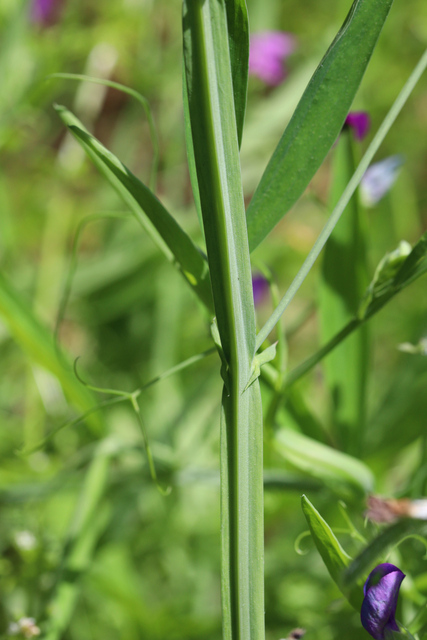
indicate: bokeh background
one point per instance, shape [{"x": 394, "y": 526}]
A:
[{"x": 86, "y": 537}]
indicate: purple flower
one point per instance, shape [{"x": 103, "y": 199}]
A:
[
  {"x": 45, "y": 12},
  {"x": 378, "y": 179},
  {"x": 359, "y": 122},
  {"x": 379, "y": 605},
  {"x": 267, "y": 52},
  {"x": 260, "y": 288}
]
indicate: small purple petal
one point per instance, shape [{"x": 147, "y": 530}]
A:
[
  {"x": 267, "y": 52},
  {"x": 379, "y": 605},
  {"x": 379, "y": 178},
  {"x": 260, "y": 288},
  {"x": 359, "y": 122},
  {"x": 44, "y": 12}
]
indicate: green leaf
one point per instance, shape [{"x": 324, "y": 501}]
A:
[
  {"x": 318, "y": 118},
  {"x": 38, "y": 343},
  {"x": 379, "y": 546},
  {"x": 418, "y": 624},
  {"x": 397, "y": 270},
  {"x": 214, "y": 134},
  {"x": 333, "y": 555},
  {"x": 260, "y": 360},
  {"x": 383, "y": 282},
  {"x": 211, "y": 108},
  {"x": 88, "y": 523},
  {"x": 342, "y": 284},
  {"x": 338, "y": 210},
  {"x": 379, "y": 293},
  {"x": 415, "y": 264},
  {"x": 399, "y": 635},
  {"x": 344, "y": 475},
  {"x": 149, "y": 211},
  {"x": 238, "y": 43}
]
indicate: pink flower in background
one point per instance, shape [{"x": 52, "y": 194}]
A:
[
  {"x": 268, "y": 51},
  {"x": 45, "y": 12},
  {"x": 359, "y": 122},
  {"x": 260, "y": 289}
]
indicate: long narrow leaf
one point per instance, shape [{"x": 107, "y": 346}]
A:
[
  {"x": 333, "y": 555},
  {"x": 162, "y": 227},
  {"x": 342, "y": 284},
  {"x": 88, "y": 522},
  {"x": 318, "y": 118},
  {"x": 379, "y": 546},
  {"x": 348, "y": 477},
  {"x": 38, "y": 343},
  {"x": 238, "y": 42},
  {"x": 345, "y": 198}
]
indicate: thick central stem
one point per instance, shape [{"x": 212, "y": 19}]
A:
[{"x": 210, "y": 95}]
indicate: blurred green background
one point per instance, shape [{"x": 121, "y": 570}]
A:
[{"x": 86, "y": 538}]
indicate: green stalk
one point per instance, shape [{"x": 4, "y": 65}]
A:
[
  {"x": 89, "y": 520},
  {"x": 385, "y": 127},
  {"x": 214, "y": 135}
]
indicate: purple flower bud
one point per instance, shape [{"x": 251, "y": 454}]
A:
[
  {"x": 260, "y": 288},
  {"x": 45, "y": 12},
  {"x": 379, "y": 605},
  {"x": 359, "y": 122},
  {"x": 267, "y": 52}
]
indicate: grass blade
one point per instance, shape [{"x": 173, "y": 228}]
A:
[
  {"x": 345, "y": 198},
  {"x": 134, "y": 94},
  {"x": 149, "y": 211},
  {"x": 238, "y": 41},
  {"x": 333, "y": 555},
  {"x": 318, "y": 118},
  {"x": 89, "y": 520},
  {"x": 378, "y": 547},
  {"x": 344, "y": 475},
  {"x": 342, "y": 284},
  {"x": 38, "y": 343}
]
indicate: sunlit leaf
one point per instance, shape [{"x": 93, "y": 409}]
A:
[
  {"x": 343, "y": 474},
  {"x": 149, "y": 211},
  {"x": 318, "y": 118},
  {"x": 333, "y": 555}
]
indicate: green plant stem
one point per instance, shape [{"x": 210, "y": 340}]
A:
[
  {"x": 344, "y": 200},
  {"x": 89, "y": 520},
  {"x": 216, "y": 151},
  {"x": 311, "y": 362}
]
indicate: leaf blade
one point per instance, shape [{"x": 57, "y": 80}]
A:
[
  {"x": 343, "y": 474},
  {"x": 333, "y": 555},
  {"x": 342, "y": 283},
  {"x": 149, "y": 211},
  {"x": 37, "y": 342},
  {"x": 319, "y": 116}
]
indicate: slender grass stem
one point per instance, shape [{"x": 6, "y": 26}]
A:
[
  {"x": 344, "y": 200},
  {"x": 216, "y": 151},
  {"x": 134, "y": 94}
]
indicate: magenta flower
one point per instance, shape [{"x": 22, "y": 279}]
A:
[
  {"x": 359, "y": 122},
  {"x": 379, "y": 605},
  {"x": 45, "y": 12},
  {"x": 260, "y": 289},
  {"x": 268, "y": 51}
]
